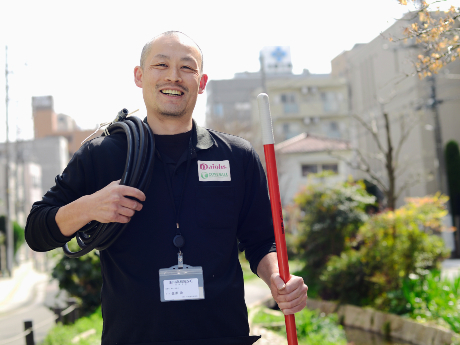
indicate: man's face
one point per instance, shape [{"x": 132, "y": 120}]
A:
[{"x": 170, "y": 78}]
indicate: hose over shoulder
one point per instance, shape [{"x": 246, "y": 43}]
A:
[{"x": 137, "y": 173}]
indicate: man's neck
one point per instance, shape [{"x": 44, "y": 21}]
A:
[{"x": 169, "y": 125}]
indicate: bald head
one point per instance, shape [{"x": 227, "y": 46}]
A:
[{"x": 178, "y": 34}]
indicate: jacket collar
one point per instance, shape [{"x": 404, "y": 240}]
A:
[{"x": 202, "y": 140}]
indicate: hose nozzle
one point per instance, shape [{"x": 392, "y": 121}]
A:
[{"x": 122, "y": 114}]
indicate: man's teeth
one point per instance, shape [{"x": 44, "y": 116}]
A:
[{"x": 171, "y": 92}]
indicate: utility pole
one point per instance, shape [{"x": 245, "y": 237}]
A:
[
  {"x": 434, "y": 102},
  {"x": 8, "y": 224}
]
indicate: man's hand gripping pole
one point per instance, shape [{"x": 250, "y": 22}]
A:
[{"x": 273, "y": 187}]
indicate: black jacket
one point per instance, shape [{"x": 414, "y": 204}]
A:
[{"x": 215, "y": 219}]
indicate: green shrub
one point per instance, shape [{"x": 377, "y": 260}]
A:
[
  {"x": 18, "y": 233},
  {"x": 18, "y": 236},
  {"x": 81, "y": 278},
  {"x": 63, "y": 334},
  {"x": 389, "y": 247},
  {"x": 329, "y": 216}
]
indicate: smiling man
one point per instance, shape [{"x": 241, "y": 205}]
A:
[{"x": 208, "y": 199}]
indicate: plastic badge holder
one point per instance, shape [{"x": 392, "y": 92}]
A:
[{"x": 179, "y": 284}]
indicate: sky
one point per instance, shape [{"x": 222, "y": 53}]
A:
[{"x": 83, "y": 53}]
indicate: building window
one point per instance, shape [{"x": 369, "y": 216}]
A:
[
  {"x": 330, "y": 167},
  {"x": 333, "y": 130},
  {"x": 290, "y": 130},
  {"x": 289, "y": 103},
  {"x": 330, "y": 102},
  {"x": 308, "y": 169}
]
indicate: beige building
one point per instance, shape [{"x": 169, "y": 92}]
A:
[
  {"x": 49, "y": 124},
  {"x": 379, "y": 77},
  {"x": 310, "y": 118},
  {"x": 311, "y": 103}
]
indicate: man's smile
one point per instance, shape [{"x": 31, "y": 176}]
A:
[{"x": 170, "y": 92}]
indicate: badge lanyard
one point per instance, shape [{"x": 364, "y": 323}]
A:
[
  {"x": 181, "y": 282},
  {"x": 178, "y": 239}
]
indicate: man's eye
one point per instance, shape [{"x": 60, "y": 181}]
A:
[{"x": 161, "y": 65}]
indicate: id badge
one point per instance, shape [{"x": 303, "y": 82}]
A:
[{"x": 180, "y": 284}]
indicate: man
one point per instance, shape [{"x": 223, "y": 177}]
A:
[{"x": 187, "y": 198}]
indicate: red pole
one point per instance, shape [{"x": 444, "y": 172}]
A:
[{"x": 275, "y": 200}]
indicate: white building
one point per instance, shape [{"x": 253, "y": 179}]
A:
[{"x": 307, "y": 154}]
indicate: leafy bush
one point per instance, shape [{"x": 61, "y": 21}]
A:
[
  {"x": 430, "y": 298},
  {"x": 63, "y": 334},
  {"x": 81, "y": 278},
  {"x": 388, "y": 248},
  {"x": 18, "y": 236},
  {"x": 18, "y": 233},
  {"x": 329, "y": 216},
  {"x": 313, "y": 327}
]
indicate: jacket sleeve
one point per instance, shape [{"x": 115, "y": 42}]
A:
[
  {"x": 255, "y": 226},
  {"x": 41, "y": 232}
]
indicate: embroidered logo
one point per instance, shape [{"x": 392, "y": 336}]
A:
[{"x": 214, "y": 171}]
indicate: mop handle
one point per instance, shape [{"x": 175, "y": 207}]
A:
[{"x": 273, "y": 187}]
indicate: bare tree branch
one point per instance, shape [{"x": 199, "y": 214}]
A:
[
  {"x": 402, "y": 168},
  {"x": 370, "y": 130},
  {"x": 408, "y": 183},
  {"x": 364, "y": 167}
]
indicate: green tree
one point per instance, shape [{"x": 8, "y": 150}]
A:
[
  {"x": 331, "y": 216},
  {"x": 452, "y": 154}
]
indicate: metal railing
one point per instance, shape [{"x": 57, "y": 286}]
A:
[{"x": 29, "y": 329}]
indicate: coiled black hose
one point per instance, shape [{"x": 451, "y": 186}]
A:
[{"x": 137, "y": 174}]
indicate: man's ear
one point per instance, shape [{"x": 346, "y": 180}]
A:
[
  {"x": 203, "y": 82},
  {"x": 138, "y": 76}
]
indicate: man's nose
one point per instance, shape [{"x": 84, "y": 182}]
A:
[{"x": 173, "y": 75}]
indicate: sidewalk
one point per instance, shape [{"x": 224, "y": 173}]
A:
[
  {"x": 20, "y": 289},
  {"x": 255, "y": 290}
]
